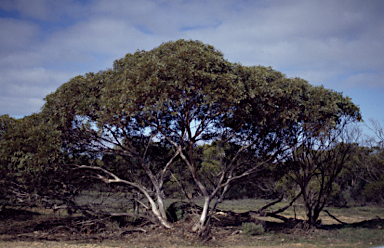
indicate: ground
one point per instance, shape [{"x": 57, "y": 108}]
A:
[{"x": 27, "y": 228}]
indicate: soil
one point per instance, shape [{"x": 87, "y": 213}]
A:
[{"x": 20, "y": 228}]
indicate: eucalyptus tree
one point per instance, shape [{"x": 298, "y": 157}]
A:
[{"x": 185, "y": 94}]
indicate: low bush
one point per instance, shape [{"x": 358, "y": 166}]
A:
[{"x": 251, "y": 228}]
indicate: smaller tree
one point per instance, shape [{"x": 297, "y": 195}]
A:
[
  {"x": 30, "y": 159},
  {"x": 316, "y": 164}
]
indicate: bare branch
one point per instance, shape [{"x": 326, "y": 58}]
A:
[{"x": 287, "y": 206}]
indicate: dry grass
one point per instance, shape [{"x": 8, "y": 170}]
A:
[{"x": 347, "y": 215}]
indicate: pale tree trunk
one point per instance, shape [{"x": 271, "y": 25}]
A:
[
  {"x": 160, "y": 202},
  {"x": 161, "y": 208},
  {"x": 204, "y": 214},
  {"x": 203, "y": 223}
]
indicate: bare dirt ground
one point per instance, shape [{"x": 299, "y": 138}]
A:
[
  {"x": 23, "y": 229},
  {"x": 53, "y": 244}
]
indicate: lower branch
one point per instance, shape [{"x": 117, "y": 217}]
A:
[{"x": 270, "y": 204}]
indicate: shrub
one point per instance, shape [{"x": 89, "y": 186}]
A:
[{"x": 250, "y": 228}]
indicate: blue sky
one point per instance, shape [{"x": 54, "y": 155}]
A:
[{"x": 338, "y": 44}]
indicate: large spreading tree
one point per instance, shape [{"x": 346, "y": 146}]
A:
[{"x": 184, "y": 94}]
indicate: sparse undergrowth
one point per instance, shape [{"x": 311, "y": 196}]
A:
[{"x": 251, "y": 228}]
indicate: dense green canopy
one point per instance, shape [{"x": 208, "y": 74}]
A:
[{"x": 187, "y": 83}]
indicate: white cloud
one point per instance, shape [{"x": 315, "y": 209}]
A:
[
  {"x": 22, "y": 90},
  {"x": 363, "y": 80},
  {"x": 20, "y": 106}
]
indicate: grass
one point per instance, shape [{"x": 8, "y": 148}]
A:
[
  {"x": 251, "y": 228},
  {"x": 122, "y": 201}
]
